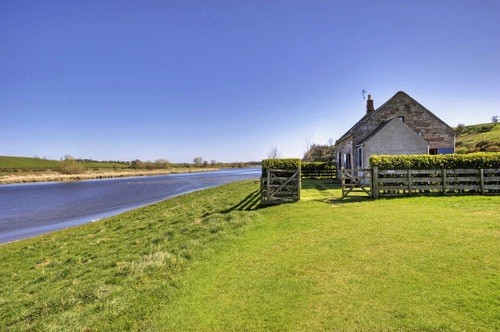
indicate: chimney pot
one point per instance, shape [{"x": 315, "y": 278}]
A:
[{"x": 369, "y": 105}]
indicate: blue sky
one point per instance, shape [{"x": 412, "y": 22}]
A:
[{"x": 228, "y": 80}]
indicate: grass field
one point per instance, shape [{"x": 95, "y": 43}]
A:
[
  {"x": 25, "y": 163},
  {"x": 212, "y": 260},
  {"x": 486, "y": 133}
]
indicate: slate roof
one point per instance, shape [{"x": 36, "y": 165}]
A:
[{"x": 371, "y": 114}]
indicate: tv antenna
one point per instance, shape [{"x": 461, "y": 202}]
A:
[{"x": 364, "y": 92}]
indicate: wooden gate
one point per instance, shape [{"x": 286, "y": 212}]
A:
[
  {"x": 280, "y": 186},
  {"x": 356, "y": 181}
]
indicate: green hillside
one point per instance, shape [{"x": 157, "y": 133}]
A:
[
  {"x": 478, "y": 138},
  {"x": 26, "y": 163}
]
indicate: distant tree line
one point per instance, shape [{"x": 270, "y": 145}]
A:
[
  {"x": 90, "y": 160},
  {"x": 197, "y": 162},
  {"x": 151, "y": 165}
]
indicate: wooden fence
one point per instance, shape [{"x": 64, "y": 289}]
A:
[
  {"x": 384, "y": 183},
  {"x": 280, "y": 186},
  {"x": 356, "y": 181},
  {"x": 444, "y": 181},
  {"x": 327, "y": 173}
]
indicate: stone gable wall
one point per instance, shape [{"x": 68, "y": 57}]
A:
[
  {"x": 424, "y": 123},
  {"x": 404, "y": 141}
]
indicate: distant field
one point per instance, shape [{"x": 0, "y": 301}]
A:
[
  {"x": 481, "y": 137},
  {"x": 24, "y": 163}
]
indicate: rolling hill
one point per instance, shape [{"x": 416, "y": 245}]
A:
[{"x": 478, "y": 138}]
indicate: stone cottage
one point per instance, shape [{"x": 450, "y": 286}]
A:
[{"x": 400, "y": 126}]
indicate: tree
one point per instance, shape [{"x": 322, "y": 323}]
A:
[
  {"x": 162, "y": 164},
  {"x": 494, "y": 119},
  {"x": 273, "y": 153},
  {"x": 198, "y": 161},
  {"x": 324, "y": 153},
  {"x": 70, "y": 166},
  {"x": 308, "y": 142},
  {"x": 137, "y": 164},
  {"x": 460, "y": 129}
]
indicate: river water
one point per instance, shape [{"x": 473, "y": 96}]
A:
[{"x": 27, "y": 210}]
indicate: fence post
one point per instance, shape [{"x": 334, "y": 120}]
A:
[
  {"x": 481, "y": 174},
  {"x": 299, "y": 180},
  {"x": 409, "y": 181},
  {"x": 342, "y": 181},
  {"x": 444, "y": 181},
  {"x": 375, "y": 182},
  {"x": 268, "y": 188}
]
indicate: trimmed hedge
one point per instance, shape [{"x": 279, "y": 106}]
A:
[
  {"x": 319, "y": 170},
  {"x": 284, "y": 164},
  {"x": 316, "y": 165},
  {"x": 446, "y": 161}
]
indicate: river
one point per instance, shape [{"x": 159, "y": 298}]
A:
[{"x": 27, "y": 210}]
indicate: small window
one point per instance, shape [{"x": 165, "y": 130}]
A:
[
  {"x": 433, "y": 151},
  {"x": 359, "y": 160},
  {"x": 347, "y": 160},
  {"x": 401, "y": 118}
]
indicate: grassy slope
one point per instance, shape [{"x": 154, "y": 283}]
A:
[
  {"x": 37, "y": 163},
  {"x": 211, "y": 261},
  {"x": 477, "y": 133},
  {"x": 23, "y": 162}
]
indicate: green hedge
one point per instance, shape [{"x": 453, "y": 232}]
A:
[
  {"x": 284, "y": 164},
  {"x": 314, "y": 166},
  {"x": 447, "y": 161}
]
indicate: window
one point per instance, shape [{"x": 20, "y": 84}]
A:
[
  {"x": 359, "y": 161},
  {"x": 348, "y": 161}
]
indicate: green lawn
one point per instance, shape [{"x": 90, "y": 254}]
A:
[{"x": 212, "y": 260}]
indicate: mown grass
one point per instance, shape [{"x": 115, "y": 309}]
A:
[{"x": 212, "y": 260}]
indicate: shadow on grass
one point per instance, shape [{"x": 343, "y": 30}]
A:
[{"x": 251, "y": 202}]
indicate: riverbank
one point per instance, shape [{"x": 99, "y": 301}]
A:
[
  {"x": 213, "y": 260},
  {"x": 49, "y": 176}
]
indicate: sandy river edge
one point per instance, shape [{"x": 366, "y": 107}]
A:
[{"x": 54, "y": 176}]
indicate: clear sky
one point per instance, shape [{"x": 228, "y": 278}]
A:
[{"x": 228, "y": 80}]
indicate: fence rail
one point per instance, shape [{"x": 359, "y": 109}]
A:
[
  {"x": 356, "y": 181},
  {"x": 445, "y": 181},
  {"x": 384, "y": 183}
]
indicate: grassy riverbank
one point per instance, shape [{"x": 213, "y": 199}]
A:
[{"x": 211, "y": 260}]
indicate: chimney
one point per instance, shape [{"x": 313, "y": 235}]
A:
[{"x": 369, "y": 105}]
